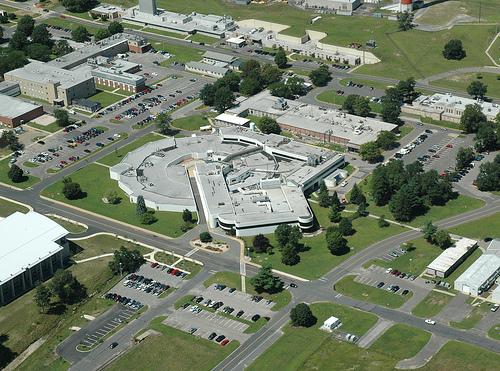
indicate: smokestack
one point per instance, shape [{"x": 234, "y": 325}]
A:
[{"x": 405, "y": 6}]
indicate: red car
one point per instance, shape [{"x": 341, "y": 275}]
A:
[
  {"x": 224, "y": 342},
  {"x": 449, "y": 145}
]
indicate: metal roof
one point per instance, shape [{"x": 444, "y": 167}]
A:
[{"x": 13, "y": 107}]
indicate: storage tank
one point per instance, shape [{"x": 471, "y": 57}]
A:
[{"x": 406, "y": 5}]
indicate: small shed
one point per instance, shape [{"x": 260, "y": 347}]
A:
[{"x": 331, "y": 323}]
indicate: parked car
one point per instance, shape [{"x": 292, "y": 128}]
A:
[{"x": 430, "y": 321}]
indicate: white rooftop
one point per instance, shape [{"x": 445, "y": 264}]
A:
[
  {"x": 450, "y": 256},
  {"x": 447, "y": 101},
  {"x": 27, "y": 239},
  {"x": 13, "y": 107},
  {"x": 232, "y": 119}
]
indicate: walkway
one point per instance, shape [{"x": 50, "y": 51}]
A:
[
  {"x": 374, "y": 333},
  {"x": 433, "y": 346}
]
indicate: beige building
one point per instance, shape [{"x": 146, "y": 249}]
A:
[{"x": 52, "y": 84}]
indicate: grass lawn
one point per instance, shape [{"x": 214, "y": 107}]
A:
[
  {"x": 181, "y": 54},
  {"x": 359, "y": 291},
  {"x": 231, "y": 279},
  {"x": 132, "y": 26},
  {"x": 191, "y": 123},
  {"x": 401, "y": 341},
  {"x": 95, "y": 181},
  {"x": 116, "y": 156},
  {"x": 164, "y": 32},
  {"x": 373, "y": 84},
  {"x": 480, "y": 228},
  {"x": 165, "y": 258},
  {"x": 83, "y": 15},
  {"x": 69, "y": 226},
  {"x": 105, "y": 98},
  {"x": 7, "y": 208},
  {"x": 462, "y": 81},
  {"x": 104, "y": 244},
  {"x": 330, "y": 96},
  {"x": 191, "y": 267},
  {"x": 440, "y": 123},
  {"x": 494, "y": 332},
  {"x": 22, "y": 322},
  {"x": 69, "y": 23},
  {"x": 432, "y": 304},
  {"x": 316, "y": 259},
  {"x": 473, "y": 317},
  {"x": 299, "y": 348},
  {"x": 28, "y": 181},
  {"x": 207, "y": 40},
  {"x": 404, "y": 131},
  {"x": 455, "y": 355},
  {"x": 51, "y": 128},
  {"x": 175, "y": 348},
  {"x": 413, "y": 262}
]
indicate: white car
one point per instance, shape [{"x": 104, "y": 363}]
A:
[
  {"x": 495, "y": 307},
  {"x": 388, "y": 270},
  {"x": 430, "y": 321},
  {"x": 343, "y": 184}
]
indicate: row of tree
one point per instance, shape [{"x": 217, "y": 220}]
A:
[{"x": 437, "y": 237}]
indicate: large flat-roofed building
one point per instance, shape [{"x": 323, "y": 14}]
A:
[
  {"x": 341, "y": 6},
  {"x": 448, "y": 107},
  {"x": 114, "y": 78},
  {"x": 52, "y": 84},
  {"x": 451, "y": 258},
  {"x": 247, "y": 181},
  {"x": 482, "y": 274},
  {"x": 206, "y": 69},
  {"x": 14, "y": 112},
  {"x": 323, "y": 124},
  {"x": 147, "y": 13},
  {"x": 33, "y": 247},
  {"x": 107, "y": 11}
]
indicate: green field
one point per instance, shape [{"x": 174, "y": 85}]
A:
[
  {"x": 462, "y": 81},
  {"x": 330, "y": 96},
  {"x": 191, "y": 123},
  {"x": 455, "y": 356},
  {"x": 316, "y": 259},
  {"x": 95, "y": 181},
  {"x": 7, "y": 208},
  {"x": 164, "y": 32},
  {"x": 441, "y": 13},
  {"x": 181, "y": 54},
  {"x": 231, "y": 279},
  {"x": 72, "y": 228},
  {"x": 175, "y": 348},
  {"x": 494, "y": 332},
  {"x": 29, "y": 180},
  {"x": 105, "y": 98},
  {"x": 485, "y": 227},
  {"x": 432, "y": 304},
  {"x": 105, "y": 244},
  {"x": 295, "y": 348},
  {"x": 67, "y": 23},
  {"x": 21, "y": 332},
  {"x": 116, "y": 156},
  {"x": 401, "y": 341},
  {"x": 132, "y": 26},
  {"x": 471, "y": 319},
  {"x": 51, "y": 128},
  {"x": 199, "y": 38},
  {"x": 371, "y": 294}
]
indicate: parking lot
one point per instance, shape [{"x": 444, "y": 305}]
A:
[{"x": 203, "y": 315}]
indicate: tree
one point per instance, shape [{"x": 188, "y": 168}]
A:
[
  {"x": 260, "y": 243},
  {"x": 301, "y": 315},
  {"x": 62, "y": 117},
  {"x": 207, "y": 94},
  {"x": 357, "y": 196},
  {"x": 477, "y": 89},
  {"x": 72, "y": 190},
  {"x": 113, "y": 197},
  {"x": 390, "y": 111},
  {"x": 42, "y": 298},
  {"x": 163, "y": 121},
  {"x": 11, "y": 59},
  {"x": 290, "y": 255},
  {"x": 361, "y": 210},
  {"x": 296, "y": 85},
  {"x": 61, "y": 47},
  {"x": 320, "y": 76},
  {"x": 223, "y": 99},
  {"x": 361, "y": 107},
  {"x": 187, "y": 216},
  {"x": 265, "y": 281},
  {"x": 334, "y": 214},
  {"x": 405, "y": 21},
  {"x": 268, "y": 125},
  {"x": 231, "y": 80},
  {"x": 464, "y": 158},
  {"x": 335, "y": 201},
  {"x": 324, "y": 199},
  {"x": 26, "y": 25},
  {"x": 442, "y": 239},
  {"x": 280, "y": 58},
  {"x": 282, "y": 233},
  {"x": 345, "y": 227},
  {"x": 101, "y": 34},
  {"x": 78, "y": 6},
  {"x": 348, "y": 104},
  {"x": 270, "y": 74},
  {"x": 406, "y": 204},
  {"x": 488, "y": 178},
  {"x": 16, "y": 174},
  {"x": 115, "y": 27},
  {"x": 148, "y": 217},
  {"x": 406, "y": 89},
  {"x": 126, "y": 261},
  {"x": 382, "y": 223},
  {"x": 487, "y": 137},
  {"x": 335, "y": 242},
  {"x": 380, "y": 186},
  {"x": 250, "y": 86},
  {"x": 39, "y": 52},
  {"x": 140, "y": 207},
  {"x": 429, "y": 231},
  {"x": 67, "y": 288},
  {"x": 80, "y": 34},
  {"x": 454, "y": 50},
  {"x": 18, "y": 41},
  {"x": 280, "y": 89},
  {"x": 386, "y": 140},
  {"x": 250, "y": 68},
  {"x": 41, "y": 35},
  {"x": 370, "y": 152},
  {"x": 10, "y": 139},
  {"x": 205, "y": 237}
]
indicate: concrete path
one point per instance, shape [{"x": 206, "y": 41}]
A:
[
  {"x": 456, "y": 310},
  {"x": 374, "y": 333},
  {"x": 426, "y": 353},
  {"x": 93, "y": 258},
  {"x": 459, "y": 71}
]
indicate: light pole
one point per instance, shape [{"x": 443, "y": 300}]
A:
[
  {"x": 411, "y": 269},
  {"x": 121, "y": 270}
]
